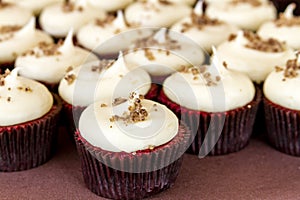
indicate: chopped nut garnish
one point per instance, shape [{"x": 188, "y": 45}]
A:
[
  {"x": 47, "y": 49},
  {"x": 199, "y": 21},
  {"x": 103, "y": 105},
  {"x": 70, "y": 68},
  {"x": 8, "y": 99},
  {"x": 254, "y": 3},
  {"x": 232, "y": 37},
  {"x": 119, "y": 101},
  {"x": 3, "y": 76},
  {"x": 148, "y": 54},
  {"x": 278, "y": 69},
  {"x": 70, "y": 78},
  {"x": 165, "y": 2},
  {"x": 107, "y": 20},
  {"x": 103, "y": 65},
  {"x": 9, "y": 29}
]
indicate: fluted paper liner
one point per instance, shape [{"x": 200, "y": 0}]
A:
[
  {"x": 235, "y": 126},
  {"x": 121, "y": 175},
  {"x": 283, "y": 128},
  {"x": 30, "y": 144}
]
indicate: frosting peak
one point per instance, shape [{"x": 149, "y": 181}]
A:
[
  {"x": 288, "y": 13},
  {"x": 198, "y": 10}
]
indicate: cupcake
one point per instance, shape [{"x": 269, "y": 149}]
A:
[
  {"x": 100, "y": 81},
  {"x": 282, "y": 107},
  {"x": 245, "y": 14},
  {"x": 28, "y": 122},
  {"x": 155, "y": 13},
  {"x": 112, "y": 5},
  {"x": 286, "y": 28},
  {"x": 15, "y": 40},
  {"x": 163, "y": 53},
  {"x": 249, "y": 53},
  {"x": 33, "y": 5},
  {"x": 13, "y": 15},
  {"x": 218, "y": 105},
  {"x": 59, "y": 18},
  {"x": 203, "y": 30},
  {"x": 48, "y": 63},
  {"x": 130, "y": 149}
]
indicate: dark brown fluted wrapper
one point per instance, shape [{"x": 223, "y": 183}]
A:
[
  {"x": 119, "y": 183},
  {"x": 235, "y": 126},
  {"x": 283, "y": 128},
  {"x": 71, "y": 113},
  {"x": 29, "y": 144}
]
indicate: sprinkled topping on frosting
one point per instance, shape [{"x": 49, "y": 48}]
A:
[
  {"x": 103, "y": 65},
  {"x": 107, "y": 20},
  {"x": 136, "y": 112},
  {"x": 254, "y": 3},
  {"x": 3, "y": 76},
  {"x": 45, "y": 49},
  {"x": 70, "y": 78},
  {"x": 69, "y": 6},
  {"x": 9, "y": 29},
  {"x": 291, "y": 69}
]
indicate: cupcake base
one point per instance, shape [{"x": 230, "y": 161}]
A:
[
  {"x": 29, "y": 144},
  {"x": 283, "y": 128},
  {"x": 235, "y": 127},
  {"x": 121, "y": 175}
]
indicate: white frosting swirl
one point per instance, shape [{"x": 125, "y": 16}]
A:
[
  {"x": 14, "y": 43},
  {"x": 282, "y": 90},
  {"x": 34, "y": 5},
  {"x": 11, "y": 14},
  {"x": 101, "y": 81},
  {"x": 95, "y": 126},
  {"x": 22, "y": 100},
  {"x": 112, "y": 5},
  {"x": 242, "y": 14},
  {"x": 214, "y": 90},
  {"x": 289, "y": 34},
  {"x": 169, "y": 52},
  {"x": 205, "y": 35},
  {"x": 51, "y": 68},
  {"x": 188, "y": 2},
  {"x": 58, "y": 19},
  {"x": 153, "y": 13},
  {"x": 256, "y": 64}
]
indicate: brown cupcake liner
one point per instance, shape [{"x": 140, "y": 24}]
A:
[
  {"x": 30, "y": 144},
  {"x": 231, "y": 129},
  {"x": 283, "y": 128},
  {"x": 132, "y": 176}
]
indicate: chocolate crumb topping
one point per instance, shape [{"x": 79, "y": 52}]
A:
[
  {"x": 119, "y": 101},
  {"x": 165, "y": 2},
  {"x": 69, "y": 6},
  {"x": 232, "y": 37},
  {"x": 291, "y": 70},
  {"x": 70, "y": 78},
  {"x": 148, "y": 54},
  {"x": 8, "y": 99},
  {"x": 47, "y": 49},
  {"x": 202, "y": 72},
  {"x": 200, "y": 21},
  {"x": 257, "y": 43},
  {"x": 103, "y": 105},
  {"x": 3, "y": 76},
  {"x": 254, "y": 3},
  {"x": 103, "y": 65},
  {"x": 70, "y": 68},
  {"x": 283, "y": 21},
  {"x": 107, "y": 20},
  {"x": 9, "y": 29}
]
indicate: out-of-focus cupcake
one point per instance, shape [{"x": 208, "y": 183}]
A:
[
  {"x": 59, "y": 18},
  {"x": 33, "y": 5},
  {"x": 286, "y": 28},
  {"x": 134, "y": 141},
  {"x": 248, "y": 53},
  {"x": 11, "y": 14},
  {"x": 282, "y": 107},
  {"x": 112, "y": 5},
  {"x": 103, "y": 81},
  {"x": 205, "y": 31},
  {"x": 163, "y": 53},
  {"x": 218, "y": 105},
  {"x": 155, "y": 13},
  {"x": 245, "y": 14},
  {"x": 48, "y": 63},
  {"x": 15, "y": 40},
  {"x": 28, "y": 123}
]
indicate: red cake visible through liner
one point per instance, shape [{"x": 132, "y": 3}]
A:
[
  {"x": 236, "y": 130},
  {"x": 283, "y": 127},
  {"x": 122, "y": 182}
]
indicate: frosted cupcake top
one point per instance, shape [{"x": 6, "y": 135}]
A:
[
  {"x": 128, "y": 124},
  {"x": 34, "y": 5},
  {"x": 155, "y": 13},
  {"x": 11, "y": 14},
  {"x": 102, "y": 81},
  {"x": 246, "y": 14},
  {"x": 205, "y": 31},
  {"x": 22, "y": 99},
  {"x": 49, "y": 62},
  {"x": 282, "y": 85},
  {"x": 163, "y": 53},
  {"x": 209, "y": 88},
  {"x": 188, "y": 2},
  {"x": 15, "y": 40},
  {"x": 59, "y": 18},
  {"x": 286, "y": 28},
  {"x": 111, "y": 5},
  {"x": 248, "y": 53}
]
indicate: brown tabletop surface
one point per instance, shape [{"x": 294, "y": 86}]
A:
[{"x": 256, "y": 172}]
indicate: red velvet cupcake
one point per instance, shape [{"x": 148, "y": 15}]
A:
[
  {"x": 217, "y": 104},
  {"x": 28, "y": 123},
  {"x": 282, "y": 107},
  {"x": 101, "y": 81},
  {"x": 131, "y": 149}
]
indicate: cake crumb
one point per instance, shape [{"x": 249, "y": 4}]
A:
[{"x": 70, "y": 78}]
